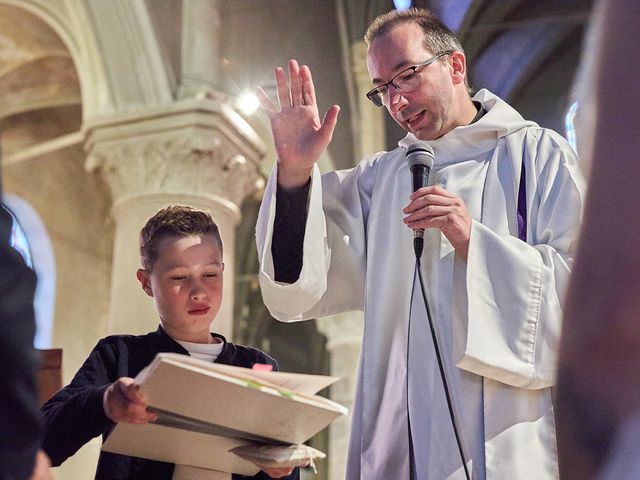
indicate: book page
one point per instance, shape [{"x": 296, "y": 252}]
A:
[{"x": 295, "y": 382}]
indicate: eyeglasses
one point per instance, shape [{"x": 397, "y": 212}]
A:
[{"x": 405, "y": 81}]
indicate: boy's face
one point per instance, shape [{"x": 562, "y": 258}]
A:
[{"x": 186, "y": 285}]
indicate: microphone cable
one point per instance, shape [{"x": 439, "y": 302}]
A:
[{"x": 417, "y": 245}]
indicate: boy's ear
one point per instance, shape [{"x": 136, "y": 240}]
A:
[{"x": 145, "y": 281}]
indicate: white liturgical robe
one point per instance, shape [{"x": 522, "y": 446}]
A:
[{"x": 497, "y": 314}]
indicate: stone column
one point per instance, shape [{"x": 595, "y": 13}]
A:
[
  {"x": 196, "y": 152},
  {"x": 371, "y": 137},
  {"x": 344, "y": 337},
  {"x": 200, "y": 56}
]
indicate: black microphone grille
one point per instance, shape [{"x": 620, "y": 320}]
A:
[{"x": 420, "y": 153}]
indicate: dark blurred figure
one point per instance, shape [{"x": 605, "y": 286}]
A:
[
  {"x": 20, "y": 423},
  {"x": 598, "y": 389}
]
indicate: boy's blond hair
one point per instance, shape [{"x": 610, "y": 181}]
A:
[{"x": 174, "y": 221}]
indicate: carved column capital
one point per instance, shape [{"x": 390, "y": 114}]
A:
[{"x": 194, "y": 148}]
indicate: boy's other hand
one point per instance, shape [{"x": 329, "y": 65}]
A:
[
  {"x": 41, "y": 467},
  {"x": 276, "y": 472},
  {"x": 124, "y": 402}
]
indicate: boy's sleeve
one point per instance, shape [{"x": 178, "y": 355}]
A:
[{"x": 75, "y": 415}]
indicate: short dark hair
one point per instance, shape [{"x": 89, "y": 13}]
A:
[
  {"x": 438, "y": 38},
  {"x": 174, "y": 221}
]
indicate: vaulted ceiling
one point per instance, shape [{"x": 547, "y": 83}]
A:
[
  {"x": 36, "y": 70},
  {"x": 526, "y": 51},
  {"x": 38, "y": 81}
]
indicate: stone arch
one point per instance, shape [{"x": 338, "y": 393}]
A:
[
  {"x": 45, "y": 16},
  {"x": 114, "y": 49}
]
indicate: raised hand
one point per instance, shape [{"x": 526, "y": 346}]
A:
[
  {"x": 124, "y": 402},
  {"x": 298, "y": 134}
]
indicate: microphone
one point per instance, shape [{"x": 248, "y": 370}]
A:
[{"x": 420, "y": 159}]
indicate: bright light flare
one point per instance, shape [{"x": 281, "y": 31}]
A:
[{"x": 248, "y": 103}]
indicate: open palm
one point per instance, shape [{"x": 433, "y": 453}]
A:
[{"x": 298, "y": 134}]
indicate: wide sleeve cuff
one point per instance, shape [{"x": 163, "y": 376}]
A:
[
  {"x": 295, "y": 298},
  {"x": 502, "y": 319}
]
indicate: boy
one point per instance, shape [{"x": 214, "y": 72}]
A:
[{"x": 181, "y": 255}]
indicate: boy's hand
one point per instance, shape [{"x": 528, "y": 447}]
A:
[
  {"x": 41, "y": 467},
  {"x": 123, "y": 402},
  {"x": 276, "y": 472}
]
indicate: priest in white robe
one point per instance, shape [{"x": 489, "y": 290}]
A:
[{"x": 500, "y": 214}]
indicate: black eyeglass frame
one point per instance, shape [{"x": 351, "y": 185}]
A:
[{"x": 376, "y": 96}]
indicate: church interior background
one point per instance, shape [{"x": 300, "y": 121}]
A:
[{"x": 112, "y": 109}]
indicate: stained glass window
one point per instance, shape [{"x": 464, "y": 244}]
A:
[
  {"x": 569, "y": 125},
  {"x": 19, "y": 240}
]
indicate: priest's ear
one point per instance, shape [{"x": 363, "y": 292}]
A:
[
  {"x": 145, "y": 281},
  {"x": 458, "y": 67}
]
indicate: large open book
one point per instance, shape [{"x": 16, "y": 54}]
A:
[{"x": 206, "y": 409}]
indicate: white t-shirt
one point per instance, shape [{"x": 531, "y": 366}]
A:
[{"x": 204, "y": 351}]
